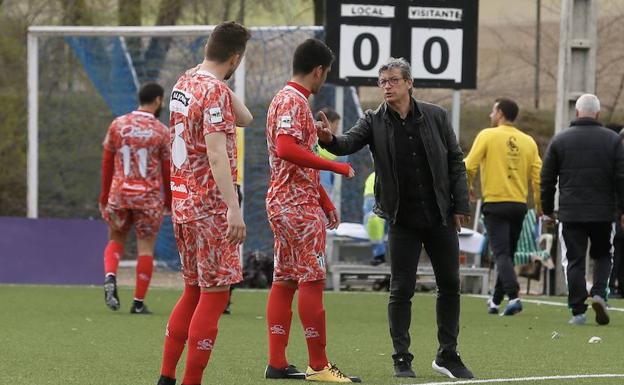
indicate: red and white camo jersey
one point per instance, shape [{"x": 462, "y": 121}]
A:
[
  {"x": 200, "y": 105},
  {"x": 290, "y": 185},
  {"x": 140, "y": 143}
]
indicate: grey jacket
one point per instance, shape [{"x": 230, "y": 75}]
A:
[
  {"x": 443, "y": 153},
  {"x": 587, "y": 160}
]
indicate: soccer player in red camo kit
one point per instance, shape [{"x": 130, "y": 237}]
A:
[
  {"x": 207, "y": 218},
  {"x": 134, "y": 168},
  {"x": 298, "y": 208}
]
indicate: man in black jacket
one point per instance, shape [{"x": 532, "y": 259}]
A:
[
  {"x": 421, "y": 190},
  {"x": 588, "y": 162}
]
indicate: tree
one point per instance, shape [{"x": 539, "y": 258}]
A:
[
  {"x": 129, "y": 13},
  {"x": 75, "y": 12},
  {"x": 241, "y": 12},
  {"x": 169, "y": 12},
  {"x": 319, "y": 12}
]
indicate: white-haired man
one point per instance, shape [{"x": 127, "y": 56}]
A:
[{"x": 587, "y": 160}]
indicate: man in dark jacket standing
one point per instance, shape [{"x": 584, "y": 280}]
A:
[
  {"x": 421, "y": 190},
  {"x": 588, "y": 162}
]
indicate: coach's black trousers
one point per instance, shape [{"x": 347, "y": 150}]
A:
[
  {"x": 574, "y": 248},
  {"x": 404, "y": 246},
  {"x": 503, "y": 221}
]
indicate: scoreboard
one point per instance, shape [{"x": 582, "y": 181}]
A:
[{"x": 438, "y": 38}]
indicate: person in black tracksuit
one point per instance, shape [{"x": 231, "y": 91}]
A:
[
  {"x": 587, "y": 160},
  {"x": 616, "y": 281}
]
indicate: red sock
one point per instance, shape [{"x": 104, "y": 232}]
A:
[
  {"x": 279, "y": 315},
  {"x": 312, "y": 315},
  {"x": 177, "y": 330},
  {"x": 144, "y": 269},
  {"x": 203, "y": 333},
  {"x": 112, "y": 255}
]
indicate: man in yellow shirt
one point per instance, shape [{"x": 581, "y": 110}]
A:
[{"x": 507, "y": 158}]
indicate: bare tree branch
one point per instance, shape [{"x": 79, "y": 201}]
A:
[
  {"x": 616, "y": 99},
  {"x": 241, "y": 12}
]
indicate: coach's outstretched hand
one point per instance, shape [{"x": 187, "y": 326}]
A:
[
  {"x": 236, "y": 230},
  {"x": 323, "y": 130}
]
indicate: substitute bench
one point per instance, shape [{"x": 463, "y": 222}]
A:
[{"x": 340, "y": 270}]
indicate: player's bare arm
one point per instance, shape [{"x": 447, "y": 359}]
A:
[
  {"x": 241, "y": 112},
  {"x": 220, "y": 167}
]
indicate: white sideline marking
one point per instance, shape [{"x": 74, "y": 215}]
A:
[
  {"x": 522, "y": 379},
  {"x": 539, "y": 302}
]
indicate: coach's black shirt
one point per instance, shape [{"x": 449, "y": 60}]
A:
[{"x": 417, "y": 202}]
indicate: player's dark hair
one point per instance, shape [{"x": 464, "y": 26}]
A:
[
  {"x": 508, "y": 107},
  {"x": 330, "y": 113},
  {"x": 311, "y": 54},
  {"x": 226, "y": 40},
  {"x": 149, "y": 92}
]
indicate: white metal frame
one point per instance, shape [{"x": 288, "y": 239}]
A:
[{"x": 35, "y": 32}]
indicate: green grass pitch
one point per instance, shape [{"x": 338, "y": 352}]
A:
[{"x": 66, "y": 335}]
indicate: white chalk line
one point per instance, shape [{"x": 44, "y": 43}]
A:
[
  {"x": 539, "y": 302},
  {"x": 524, "y": 379}
]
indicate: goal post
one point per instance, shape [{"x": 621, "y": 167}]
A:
[{"x": 69, "y": 108}]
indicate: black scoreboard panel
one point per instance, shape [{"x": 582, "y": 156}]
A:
[{"x": 438, "y": 38}]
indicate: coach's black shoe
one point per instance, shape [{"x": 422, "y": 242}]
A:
[
  {"x": 289, "y": 373},
  {"x": 451, "y": 365},
  {"x": 139, "y": 308},
  {"x": 110, "y": 292},
  {"x": 166, "y": 381},
  {"x": 403, "y": 365}
]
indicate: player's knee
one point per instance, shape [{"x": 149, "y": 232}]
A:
[{"x": 290, "y": 284}]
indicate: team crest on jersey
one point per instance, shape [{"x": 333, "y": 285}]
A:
[
  {"x": 285, "y": 122},
  {"x": 180, "y": 101},
  {"x": 215, "y": 115}
]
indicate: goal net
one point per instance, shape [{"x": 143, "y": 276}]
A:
[{"x": 80, "y": 78}]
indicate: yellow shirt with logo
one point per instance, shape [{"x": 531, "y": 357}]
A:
[{"x": 507, "y": 159}]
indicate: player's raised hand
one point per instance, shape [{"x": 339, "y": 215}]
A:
[
  {"x": 236, "y": 230},
  {"x": 323, "y": 130},
  {"x": 333, "y": 219}
]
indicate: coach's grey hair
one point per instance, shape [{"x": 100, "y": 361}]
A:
[
  {"x": 400, "y": 63},
  {"x": 587, "y": 105}
]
